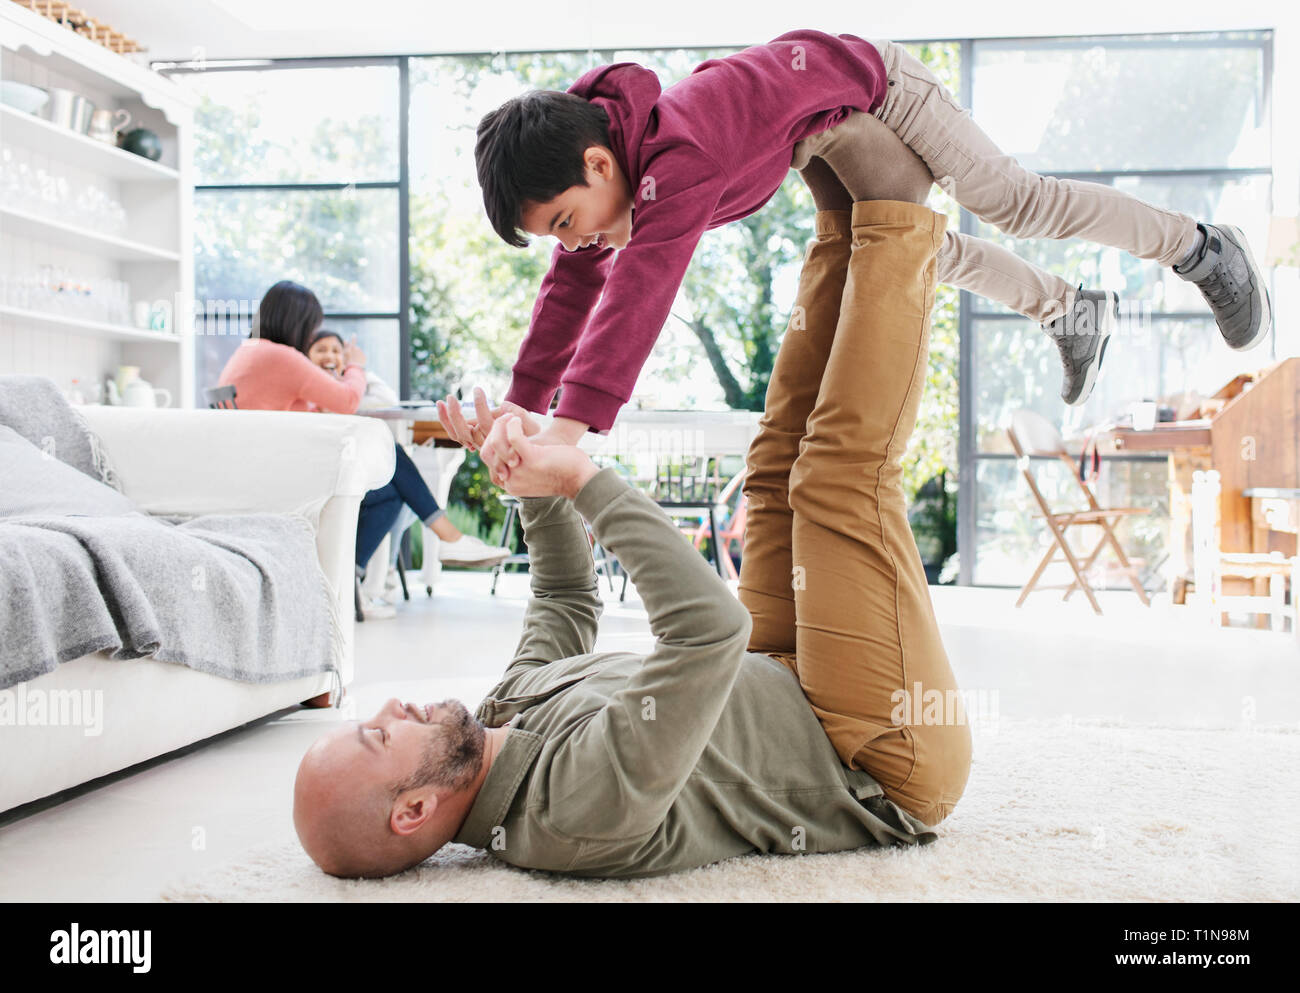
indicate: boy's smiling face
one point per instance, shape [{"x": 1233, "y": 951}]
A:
[{"x": 599, "y": 213}]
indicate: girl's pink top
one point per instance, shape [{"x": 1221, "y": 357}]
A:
[{"x": 270, "y": 376}]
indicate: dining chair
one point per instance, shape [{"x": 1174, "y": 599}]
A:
[{"x": 220, "y": 397}]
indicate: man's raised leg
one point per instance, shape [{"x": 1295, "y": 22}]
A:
[
  {"x": 869, "y": 654},
  {"x": 766, "y": 580}
]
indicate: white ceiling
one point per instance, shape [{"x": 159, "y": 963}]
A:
[{"x": 179, "y": 30}]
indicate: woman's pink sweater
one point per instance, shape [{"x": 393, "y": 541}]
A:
[{"x": 270, "y": 376}]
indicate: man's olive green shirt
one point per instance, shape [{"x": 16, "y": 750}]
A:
[{"x": 619, "y": 764}]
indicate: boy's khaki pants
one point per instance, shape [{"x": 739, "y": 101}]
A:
[
  {"x": 831, "y": 574},
  {"x": 992, "y": 185}
]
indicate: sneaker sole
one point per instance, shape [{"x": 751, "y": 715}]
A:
[
  {"x": 1094, "y": 369},
  {"x": 1266, "y": 320}
]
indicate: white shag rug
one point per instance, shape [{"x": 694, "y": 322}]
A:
[{"x": 1054, "y": 810}]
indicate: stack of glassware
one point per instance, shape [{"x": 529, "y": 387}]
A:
[
  {"x": 50, "y": 289},
  {"x": 37, "y": 190}
]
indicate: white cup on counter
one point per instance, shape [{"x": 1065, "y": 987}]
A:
[{"x": 1144, "y": 415}]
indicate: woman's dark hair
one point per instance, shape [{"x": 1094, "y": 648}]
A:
[
  {"x": 289, "y": 314},
  {"x": 530, "y": 149},
  {"x": 325, "y": 333}
]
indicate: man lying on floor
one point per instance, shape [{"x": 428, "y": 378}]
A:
[{"x": 780, "y": 726}]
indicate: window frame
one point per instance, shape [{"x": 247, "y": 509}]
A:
[
  {"x": 401, "y": 185},
  {"x": 968, "y": 456}
]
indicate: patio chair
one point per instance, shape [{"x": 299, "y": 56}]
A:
[
  {"x": 690, "y": 486},
  {"x": 1033, "y": 435},
  {"x": 733, "y": 529},
  {"x": 604, "y": 560}
]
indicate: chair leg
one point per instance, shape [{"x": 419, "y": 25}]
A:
[
  {"x": 1085, "y": 566},
  {"x": 505, "y": 543},
  {"x": 401, "y": 564},
  {"x": 1078, "y": 574},
  {"x": 1295, "y": 596},
  {"x": 1123, "y": 561},
  {"x": 717, "y": 548},
  {"x": 1277, "y": 601},
  {"x": 1029, "y": 586},
  {"x": 356, "y": 597},
  {"x": 506, "y": 528},
  {"x": 726, "y": 559},
  {"x": 605, "y": 566}
]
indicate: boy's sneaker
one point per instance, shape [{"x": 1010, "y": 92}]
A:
[
  {"x": 469, "y": 550},
  {"x": 1227, "y": 276},
  {"x": 1081, "y": 334}
]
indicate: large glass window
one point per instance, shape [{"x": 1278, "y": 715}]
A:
[
  {"x": 1177, "y": 121},
  {"x": 306, "y": 172},
  {"x": 472, "y": 295},
  {"x": 298, "y": 176}
]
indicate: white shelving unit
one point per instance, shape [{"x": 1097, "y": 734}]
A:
[
  {"x": 40, "y": 135},
  {"x": 103, "y": 329},
  {"x": 153, "y": 255},
  {"x": 17, "y": 223}
]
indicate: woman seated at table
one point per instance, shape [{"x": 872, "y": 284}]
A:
[{"x": 271, "y": 371}]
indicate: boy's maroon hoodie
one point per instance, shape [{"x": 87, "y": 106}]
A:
[{"x": 709, "y": 150}]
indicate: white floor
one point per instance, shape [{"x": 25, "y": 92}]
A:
[{"x": 125, "y": 838}]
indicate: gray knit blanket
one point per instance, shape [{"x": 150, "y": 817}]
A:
[{"x": 81, "y": 570}]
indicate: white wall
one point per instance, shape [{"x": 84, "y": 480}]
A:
[{"x": 267, "y": 28}]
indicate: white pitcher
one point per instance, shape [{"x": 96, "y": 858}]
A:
[{"x": 139, "y": 393}]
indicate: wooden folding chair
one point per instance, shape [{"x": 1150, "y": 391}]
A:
[{"x": 1033, "y": 435}]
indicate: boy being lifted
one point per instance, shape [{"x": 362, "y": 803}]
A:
[{"x": 618, "y": 166}]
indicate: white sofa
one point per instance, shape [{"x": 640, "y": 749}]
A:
[{"x": 190, "y": 462}]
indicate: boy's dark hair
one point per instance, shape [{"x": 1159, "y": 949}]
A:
[
  {"x": 289, "y": 314},
  {"x": 530, "y": 149}
]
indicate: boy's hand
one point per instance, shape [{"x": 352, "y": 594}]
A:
[
  {"x": 525, "y": 468},
  {"x": 471, "y": 433},
  {"x": 561, "y": 431}
]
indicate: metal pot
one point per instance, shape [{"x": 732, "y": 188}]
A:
[{"x": 69, "y": 109}]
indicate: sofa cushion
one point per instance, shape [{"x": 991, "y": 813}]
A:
[{"x": 36, "y": 484}]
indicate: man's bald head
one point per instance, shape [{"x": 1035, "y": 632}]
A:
[{"x": 374, "y": 798}]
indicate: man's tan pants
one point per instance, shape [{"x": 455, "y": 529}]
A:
[{"x": 831, "y": 574}]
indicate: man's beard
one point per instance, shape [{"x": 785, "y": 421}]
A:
[{"x": 453, "y": 754}]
